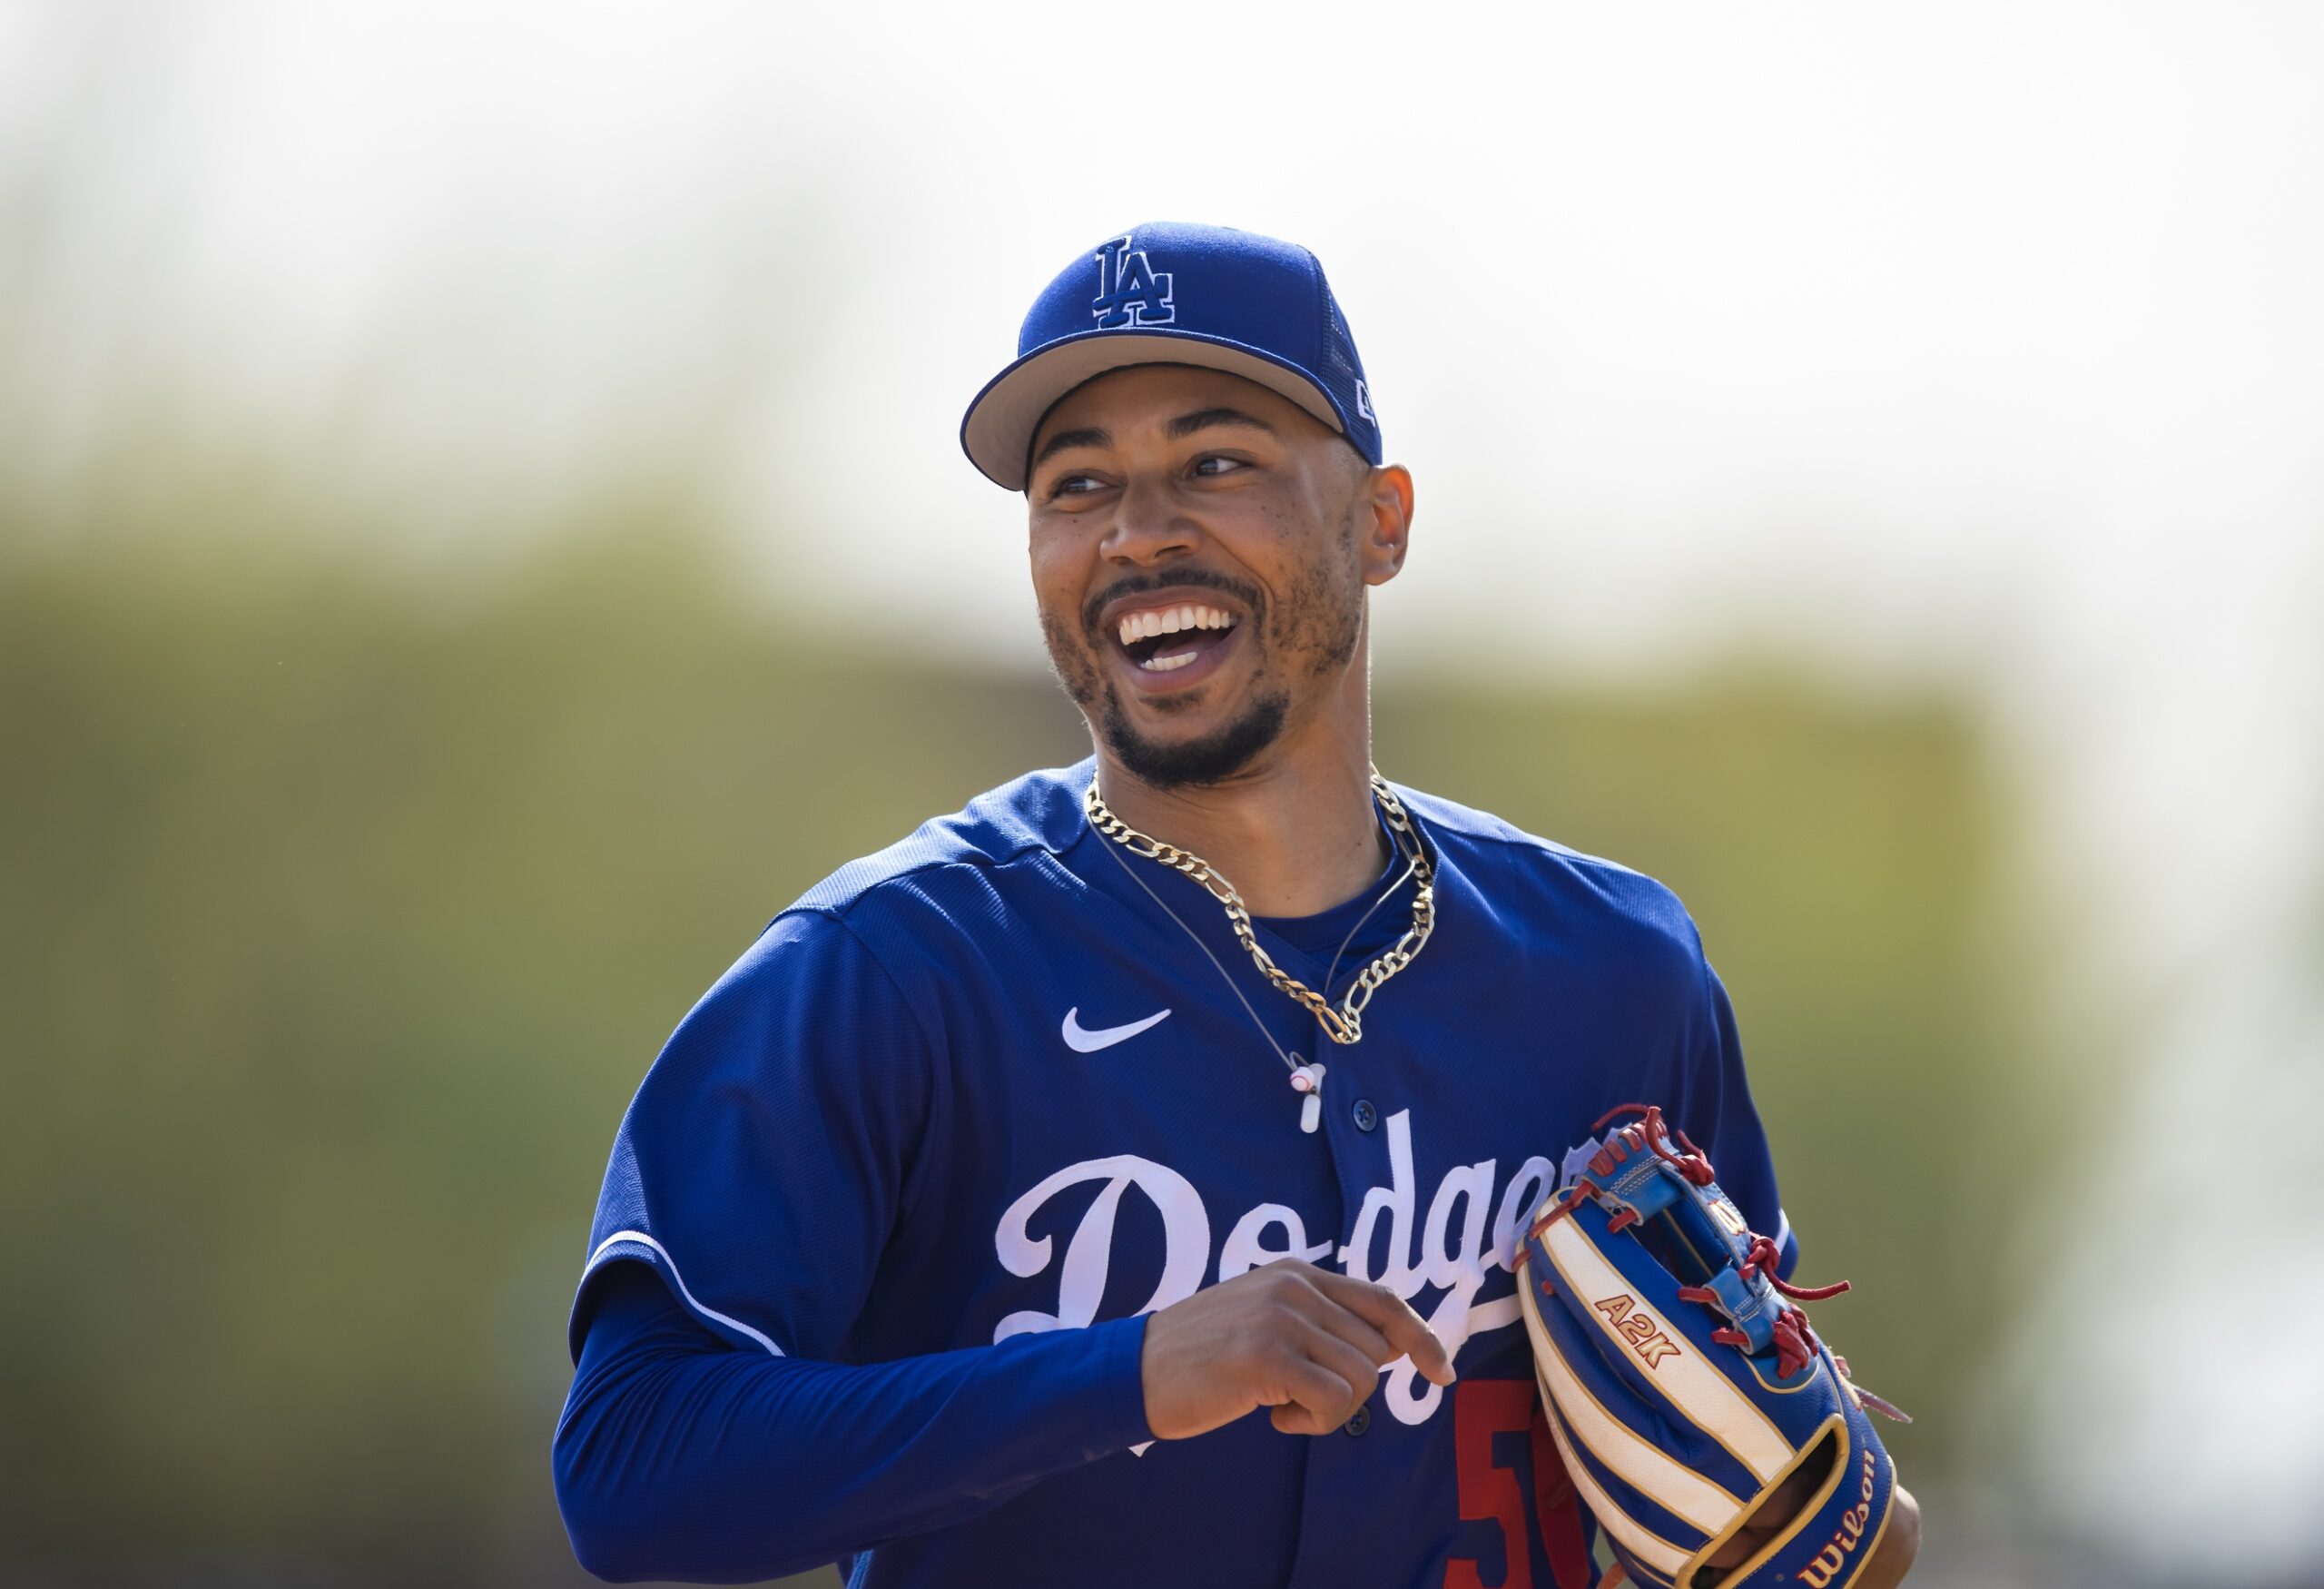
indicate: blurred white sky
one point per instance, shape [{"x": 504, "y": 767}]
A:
[{"x": 1984, "y": 341}]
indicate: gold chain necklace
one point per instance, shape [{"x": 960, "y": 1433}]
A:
[{"x": 1345, "y": 1023}]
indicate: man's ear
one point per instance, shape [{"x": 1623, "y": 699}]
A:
[{"x": 1384, "y": 522}]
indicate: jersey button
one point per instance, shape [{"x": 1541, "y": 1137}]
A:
[
  {"x": 1367, "y": 1117},
  {"x": 1361, "y": 1422}
]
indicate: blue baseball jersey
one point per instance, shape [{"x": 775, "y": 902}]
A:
[{"x": 915, "y": 1170}]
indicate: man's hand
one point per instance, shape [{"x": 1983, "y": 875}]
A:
[
  {"x": 1305, "y": 1341},
  {"x": 1900, "y": 1541}
]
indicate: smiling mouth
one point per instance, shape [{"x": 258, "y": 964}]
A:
[{"x": 1165, "y": 639}]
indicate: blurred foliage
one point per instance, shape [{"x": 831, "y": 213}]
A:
[{"x": 339, "y": 919}]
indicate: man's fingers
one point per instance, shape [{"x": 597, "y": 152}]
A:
[
  {"x": 1393, "y": 1317},
  {"x": 1351, "y": 1363},
  {"x": 1319, "y": 1400},
  {"x": 1352, "y": 1327},
  {"x": 1292, "y": 1418}
]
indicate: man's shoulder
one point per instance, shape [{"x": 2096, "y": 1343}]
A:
[
  {"x": 961, "y": 855},
  {"x": 1615, "y": 904}
]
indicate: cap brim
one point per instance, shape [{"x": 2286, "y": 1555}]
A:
[{"x": 997, "y": 432}]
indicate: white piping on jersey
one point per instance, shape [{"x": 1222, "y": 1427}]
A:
[{"x": 641, "y": 1239}]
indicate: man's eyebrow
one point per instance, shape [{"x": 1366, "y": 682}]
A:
[
  {"x": 1065, "y": 439},
  {"x": 1185, "y": 425},
  {"x": 1177, "y": 430}
]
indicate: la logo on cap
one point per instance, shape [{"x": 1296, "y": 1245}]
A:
[{"x": 1130, "y": 293}]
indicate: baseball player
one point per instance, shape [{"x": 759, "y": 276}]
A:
[{"x": 1121, "y": 1179}]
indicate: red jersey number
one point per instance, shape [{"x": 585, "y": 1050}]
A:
[{"x": 1483, "y": 1409}]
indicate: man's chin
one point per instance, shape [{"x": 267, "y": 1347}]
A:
[{"x": 1197, "y": 756}]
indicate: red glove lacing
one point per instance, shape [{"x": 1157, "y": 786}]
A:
[{"x": 1795, "y": 1341}]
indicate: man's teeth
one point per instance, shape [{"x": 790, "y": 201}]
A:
[{"x": 1169, "y": 620}]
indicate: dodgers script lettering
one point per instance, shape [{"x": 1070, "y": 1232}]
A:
[{"x": 1465, "y": 1233}]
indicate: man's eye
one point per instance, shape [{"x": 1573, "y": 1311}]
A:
[
  {"x": 1073, "y": 485},
  {"x": 1213, "y": 464}
]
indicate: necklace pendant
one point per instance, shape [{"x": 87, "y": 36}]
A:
[{"x": 1308, "y": 1081}]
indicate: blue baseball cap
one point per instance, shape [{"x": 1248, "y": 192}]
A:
[{"x": 1172, "y": 293}]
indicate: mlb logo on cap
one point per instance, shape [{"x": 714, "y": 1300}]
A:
[{"x": 1172, "y": 293}]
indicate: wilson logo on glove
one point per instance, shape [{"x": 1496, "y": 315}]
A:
[
  {"x": 1681, "y": 1382},
  {"x": 1835, "y": 1555}
]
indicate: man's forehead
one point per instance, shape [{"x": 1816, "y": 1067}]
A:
[{"x": 1152, "y": 397}]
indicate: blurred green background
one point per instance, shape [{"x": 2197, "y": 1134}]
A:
[{"x": 340, "y": 915}]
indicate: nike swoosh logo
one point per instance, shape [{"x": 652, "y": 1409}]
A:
[{"x": 1083, "y": 1041}]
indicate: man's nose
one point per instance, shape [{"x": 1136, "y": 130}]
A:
[{"x": 1148, "y": 525}]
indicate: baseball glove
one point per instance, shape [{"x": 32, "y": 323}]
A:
[{"x": 1684, "y": 1387}]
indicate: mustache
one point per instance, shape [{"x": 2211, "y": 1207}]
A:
[{"x": 1241, "y": 591}]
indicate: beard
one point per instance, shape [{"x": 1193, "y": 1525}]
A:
[
  {"x": 1317, "y": 628},
  {"x": 1212, "y": 758}
]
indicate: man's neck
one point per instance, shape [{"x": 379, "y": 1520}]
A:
[{"x": 1294, "y": 834}]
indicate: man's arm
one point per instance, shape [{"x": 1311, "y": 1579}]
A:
[{"x": 679, "y": 1455}]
